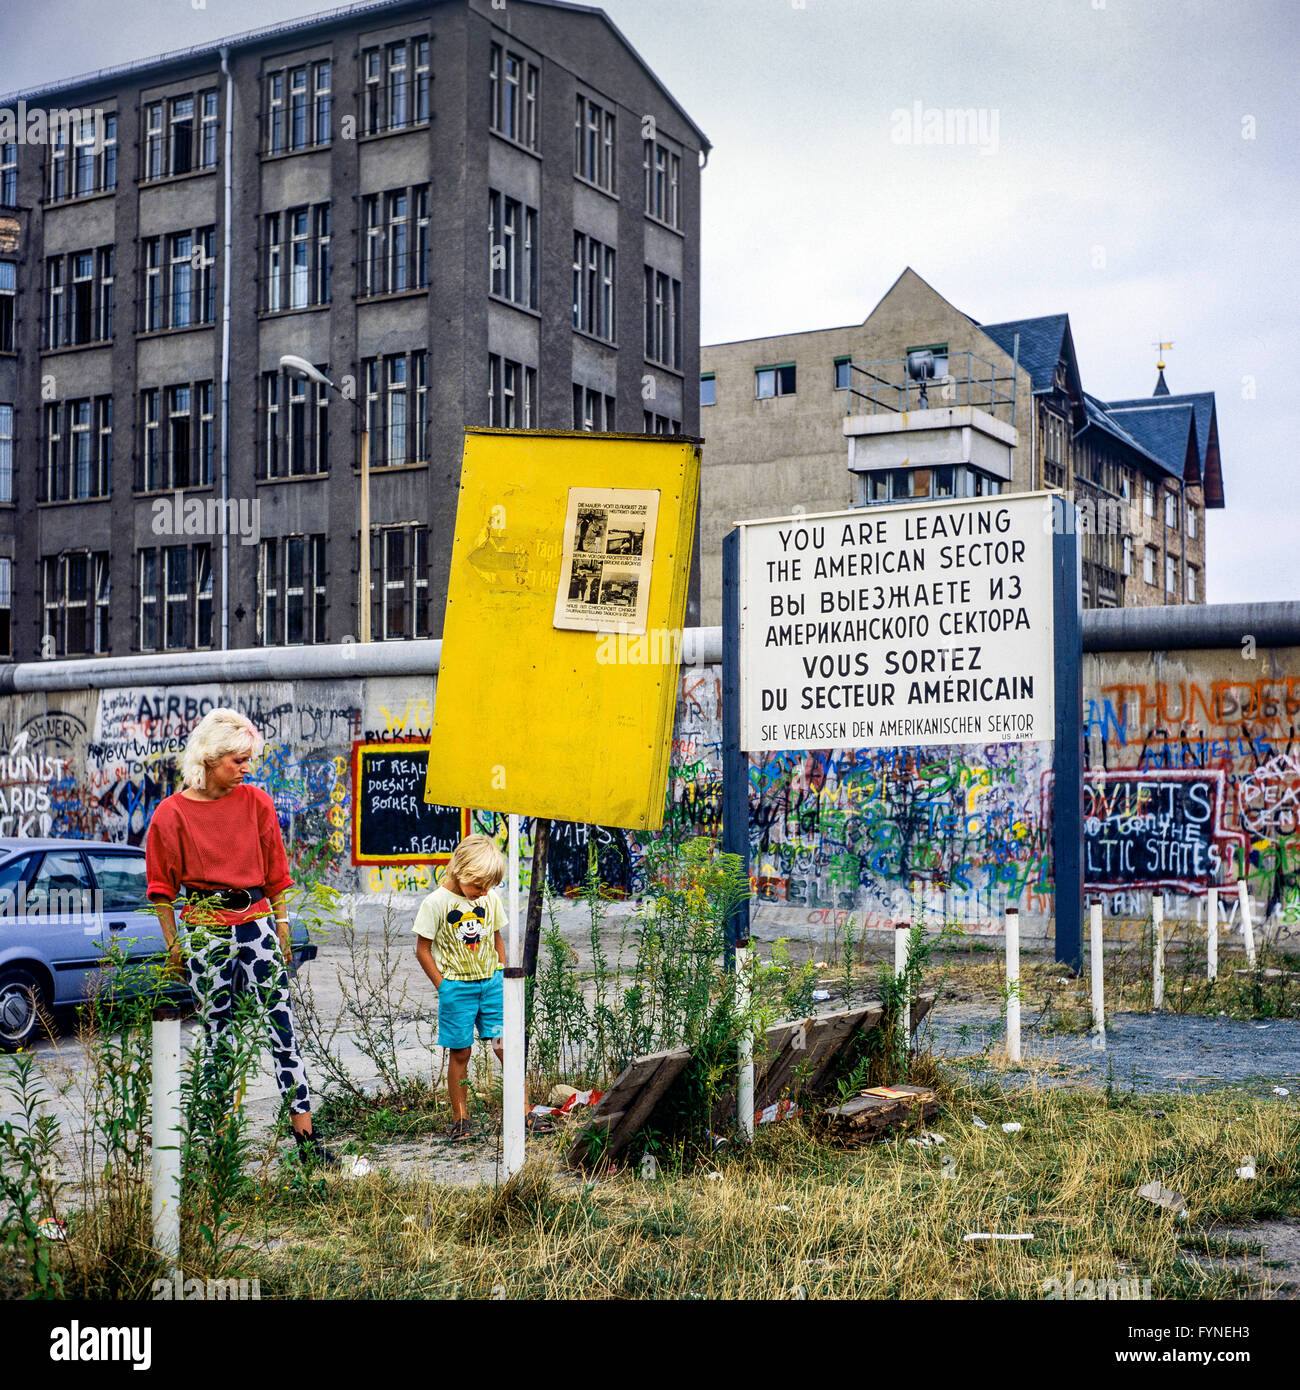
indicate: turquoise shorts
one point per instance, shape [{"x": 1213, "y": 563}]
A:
[{"x": 464, "y": 1005}]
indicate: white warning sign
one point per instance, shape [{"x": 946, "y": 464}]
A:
[{"x": 888, "y": 626}]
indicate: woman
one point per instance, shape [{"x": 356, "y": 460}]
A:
[{"x": 220, "y": 840}]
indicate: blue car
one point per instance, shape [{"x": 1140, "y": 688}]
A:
[{"x": 69, "y": 910}]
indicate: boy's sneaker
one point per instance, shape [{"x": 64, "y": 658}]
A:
[{"x": 311, "y": 1150}]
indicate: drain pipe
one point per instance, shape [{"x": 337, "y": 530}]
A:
[{"x": 225, "y": 353}]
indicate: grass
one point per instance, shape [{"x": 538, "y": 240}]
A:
[{"x": 794, "y": 1213}]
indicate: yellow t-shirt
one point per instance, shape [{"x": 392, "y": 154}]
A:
[{"x": 462, "y": 932}]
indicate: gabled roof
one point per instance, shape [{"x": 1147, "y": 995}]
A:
[
  {"x": 305, "y": 25},
  {"x": 1169, "y": 433},
  {"x": 1042, "y": 341},
  {"x": 1099, "y": 418},
  {"x": 1207, "y": 433}
]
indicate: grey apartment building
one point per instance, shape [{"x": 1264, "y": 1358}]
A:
[{"x": 463, "y": 214}]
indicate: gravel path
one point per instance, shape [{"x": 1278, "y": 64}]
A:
[{"x": 1144, "y": 1052}]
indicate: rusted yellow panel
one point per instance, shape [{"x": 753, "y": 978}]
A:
[{"x": 530, "y": 718}]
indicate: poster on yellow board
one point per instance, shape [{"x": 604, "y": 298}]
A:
[{"x": 557, "y": 683}]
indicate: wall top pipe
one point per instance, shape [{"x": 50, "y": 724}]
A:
[
  {"x": 1186, "y": 627},
  {"x": 335, "y": 661}
]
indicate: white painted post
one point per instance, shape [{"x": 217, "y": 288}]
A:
[
  {"x": 1212, "y": 934},
  {"x": 1158, "y": 959},
  {"x": 1247, "y": 926},
  {"x": 512, "y": 1077},
  {"x": 1013, "y": 983},
  {"x": 1098, "y": 964},
  {"x": 902, "y": 935},
  {"x": 745, "y": 1086},
  {"x": 166, "y": 1161}
]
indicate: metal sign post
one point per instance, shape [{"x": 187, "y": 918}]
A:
[{"x": 1067, "y": 748}]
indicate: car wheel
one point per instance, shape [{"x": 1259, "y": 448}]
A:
[{"x": 23, "y": 1008}]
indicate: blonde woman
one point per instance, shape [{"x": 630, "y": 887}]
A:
[{"x": 219, "y": 839}]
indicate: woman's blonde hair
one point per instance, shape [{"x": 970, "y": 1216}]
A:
[
  {"x": 479, "y": 858},
  {"x": 219, "y": 732}
]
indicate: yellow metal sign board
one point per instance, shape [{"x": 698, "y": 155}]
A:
[{"x": 562, "y": 638}]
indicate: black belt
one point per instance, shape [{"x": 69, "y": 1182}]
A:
[{"x": 226, "y": 899}]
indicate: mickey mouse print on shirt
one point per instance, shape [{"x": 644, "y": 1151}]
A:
[{"x": 471, "y": 926}]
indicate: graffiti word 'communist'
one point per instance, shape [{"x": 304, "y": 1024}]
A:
[{"x": 901, "y": 628}]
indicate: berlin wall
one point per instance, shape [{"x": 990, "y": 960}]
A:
[{"x": 1192, "y": 779}]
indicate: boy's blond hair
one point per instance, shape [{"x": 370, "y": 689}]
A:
[{"x": 478, "y": 857}]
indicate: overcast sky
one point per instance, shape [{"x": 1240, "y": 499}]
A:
[{"x": 1138, "y": 172}]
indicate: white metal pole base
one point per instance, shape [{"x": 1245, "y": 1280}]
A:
[
  {"x": 1212, "y": 934},
  {"x": 1013, "y": 984},
  {"x": 745, "y": 1082},
  {"x": 1158, "y": 952},
  {"x": 166, "y": 1158},
  {"x": 512, "y": 1072},
  {"x": 1247, "y": 926},
  {"x": 1097, "y": 960},
  {"x": 902, "y": 939}
]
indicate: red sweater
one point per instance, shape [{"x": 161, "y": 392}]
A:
[{"x": 233, "y": 842}]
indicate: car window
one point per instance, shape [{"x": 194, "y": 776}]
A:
[
  {"x": 12, "y": 898},
  {"x": 61, "y": 887},
  {"x": 122, "y": 881}
]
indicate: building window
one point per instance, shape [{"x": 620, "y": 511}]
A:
[
  {"x": 9, "y": 176},
  {"x": 595, "y": 144},
  {"x": 1171, "y": 575},
  {"x": 1191, "y": 584},
  {"x": 75, "y": 588},
  {"x": 593, "y": 287},
  {"x": 659, "y": 424},
  {"x": 6, "y": 606},
  {"x": 1171, "y": 510},
  {"x": 1191, "y": 522},
  {"x": 78, "y": 292},
  {"x": 842, "y": 370},
  {"x": 179, "y": 289},
  {"x": 512, "y": 87},
  {"x": 512, "y": 249},
  {"x": 78, "y": 450},
  {"x": 6, "y": 453},
  {"x": 296, "y": 258},
  {"x": 8, "y": 304},
  {"x": 1128, "y": 555},
  {"x": 175, "y": 610},
  {"x": 512, "y": 394},
  {"x": 396, "y": 86},
  {"x": 663, "y": 318},
  {"x": 1149, "y": 564},
  {"x": 663, "y": 177},
  {"x": 291, "y": 591},
  {"x": 180, "y": 135},
  {"x": 295, "y": 427},
  {"x": 93, "y": 150},
  {"x": 399, "y": 582},
  {"x": 1126, "y": 485},
  {"x": 774, "y": 381},
  {"x": 592, "y": 410},
  {"x": 298, "y": 108},
  {"x": 397, "y": 408},
  {"x": 395, "y": 226},
  {"x": 178, "y": 441},
  {"x": 708, "y": 389},
  {"x": 1148, "y": 497}
]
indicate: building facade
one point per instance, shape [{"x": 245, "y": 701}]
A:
[
  {"x": 464, "y": 215},
  {"x": 785, "y": 420}
]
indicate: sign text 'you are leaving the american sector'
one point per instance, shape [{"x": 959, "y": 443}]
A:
[{"x": 896, "y": 625}]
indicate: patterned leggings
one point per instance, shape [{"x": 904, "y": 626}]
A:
[{"x": 249, "y": 961}]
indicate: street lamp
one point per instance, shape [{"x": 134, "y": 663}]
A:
[{"x": 304, "y": 371}]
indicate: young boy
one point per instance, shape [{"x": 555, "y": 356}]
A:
[{"x": 459, "y": 948}]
